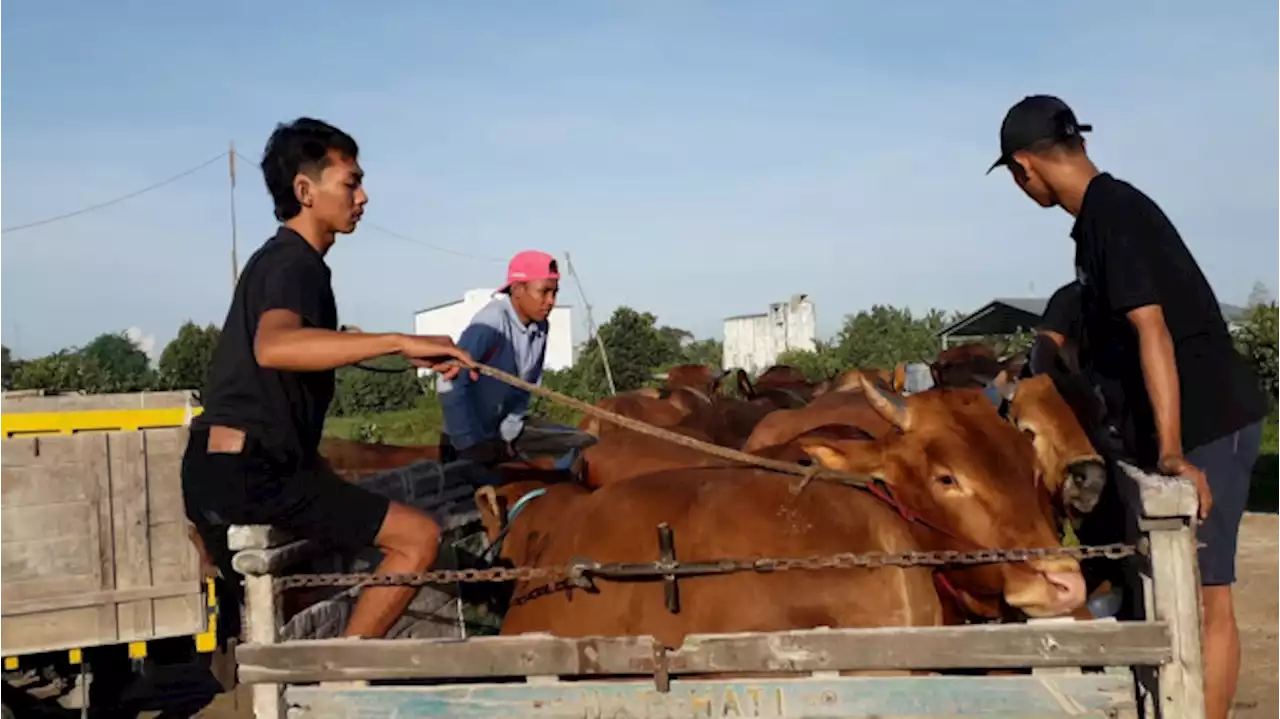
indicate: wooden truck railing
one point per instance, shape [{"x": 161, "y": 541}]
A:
[
  {"x": 1148, "y": 667},
  {"x": 97, "y": 563}
]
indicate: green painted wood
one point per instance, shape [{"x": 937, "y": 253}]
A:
[{"x": 1092, "y": 695}]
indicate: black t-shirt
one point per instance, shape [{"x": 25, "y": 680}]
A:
[
  {"x": 283, "y": 410},
  {"x": 1128, "y": 254},
  {"x": 1063, "y": 315}
]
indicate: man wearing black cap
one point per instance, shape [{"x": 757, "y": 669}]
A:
[{"x": 1187, "y": 403}]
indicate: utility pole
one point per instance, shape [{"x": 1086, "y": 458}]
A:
[
  {"x": 591, "y": 324},
  {"x": 235, "y": 262}
]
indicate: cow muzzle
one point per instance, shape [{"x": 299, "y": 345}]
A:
[
  {"x": 1048, "y": 588},
  {"x": 1083, "y": 488}
]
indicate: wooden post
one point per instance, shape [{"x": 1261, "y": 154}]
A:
[
  {"x": 262, "y": 615},
  {"x": 1168, "y": 508}
]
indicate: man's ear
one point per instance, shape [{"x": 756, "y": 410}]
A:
[
  {"x": 303, "y": 189},
  {"x": 492, "y": 515}
]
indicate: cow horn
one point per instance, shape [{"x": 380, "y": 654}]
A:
[
  {"x": 486, "y": 498},
  {"x": 890, "y": 406}
]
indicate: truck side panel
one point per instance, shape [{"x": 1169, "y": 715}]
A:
[{"x": 94, "y": 547}]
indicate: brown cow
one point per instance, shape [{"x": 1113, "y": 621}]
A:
[
  {"x": 353, "y": 460},
  {"x": 699, "y": 377},
  {"x": 955, "y": 462}
]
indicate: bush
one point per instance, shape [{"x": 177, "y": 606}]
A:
[
  {"x": 1256, "y": 339},
  {"x": 361, "y": 392}
]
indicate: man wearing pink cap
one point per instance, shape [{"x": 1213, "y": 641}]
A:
[{"x": 484, "y": 417}]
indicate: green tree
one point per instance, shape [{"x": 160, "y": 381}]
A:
[
  {"x": 185, "y": 361},
  {"x": 709, "y": 352},
  {"x": 67, "y": 370},
  {"x": 361, "y": 392},
  {"x": 637, "y": 349},
  {"x": 127, "y": 367},
  {"x": 818, "y": 365},
  {"x": 1256, "y": 339},
  {"x": 9, "y": 366},
  {"x": 884, "y": 336}
]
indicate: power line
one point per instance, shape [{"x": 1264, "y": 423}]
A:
[
  {"x": 113, "y": 201},
  {"x": 407, "y": 238}
]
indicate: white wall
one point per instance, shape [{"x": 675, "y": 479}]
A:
[
  {"x": 452, "y": 319},
  {"x": 754, "y": 342}
]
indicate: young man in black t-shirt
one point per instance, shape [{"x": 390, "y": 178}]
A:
[
  {"x": 253, "y": 457},
  {"x": 1157, "y": 342}
]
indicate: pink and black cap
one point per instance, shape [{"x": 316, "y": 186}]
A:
[
  {"x": 1036, "y": 118},
  {"x": 530, "y": 266}
]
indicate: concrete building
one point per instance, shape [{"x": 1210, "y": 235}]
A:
[
  {"x": 453, "y": 317},
  {"x": 753, "y": 342}
]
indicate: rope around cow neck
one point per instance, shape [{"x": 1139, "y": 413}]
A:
[{"x": 806, "y": 473}]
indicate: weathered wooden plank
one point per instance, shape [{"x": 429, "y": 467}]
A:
[
  {"x": 995, "y": 646},
  {"x": 262, "y": 622},
  {"x": 131, "y": 529},
  {"x": 51, "y": 521},
  {"x": 256, "y": 536},
  {"x": 62, "y": 629},
  {"x": 274, "y": 560},
  {"x": 1093, "y": 695},
  {"x": 1176, "y": 584},
  {"x": 1158, "y": 496},
  {"x": 165, "y": 448},
  {"x": 81, "y": 402},
  {"x": 44, "y": 451},
  {"x": 114, "y": 596}
]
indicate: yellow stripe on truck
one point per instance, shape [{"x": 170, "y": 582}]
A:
[{"x": 100, "y": 420}]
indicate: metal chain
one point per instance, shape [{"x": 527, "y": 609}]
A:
[{"x": 658, "y": 569}]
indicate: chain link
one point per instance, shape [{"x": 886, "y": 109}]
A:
[{"x": 585, "y": 568}]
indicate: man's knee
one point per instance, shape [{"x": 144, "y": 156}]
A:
[{"x": 410, "y": 532}]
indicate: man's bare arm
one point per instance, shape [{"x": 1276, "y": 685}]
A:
[
  {"x": 1160, "y": 374},
  {"x": 282, "y": 343}
]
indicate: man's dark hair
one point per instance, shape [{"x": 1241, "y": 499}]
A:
[
  {"x": 301, "y": 146},
  {"x": 1058, "y": 145}
]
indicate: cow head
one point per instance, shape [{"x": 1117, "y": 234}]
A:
[
  {"x": 522, "y": 503},
  {"x": 1074, "y": 471},
  {"x": 968, "y": 472}
]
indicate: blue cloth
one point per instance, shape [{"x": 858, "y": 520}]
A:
[
  {"x": 918, "y": 378},
  {"x": 484, "y": 409}
]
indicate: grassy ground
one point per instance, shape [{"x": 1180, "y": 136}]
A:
[{"x": 422, "y": 424}]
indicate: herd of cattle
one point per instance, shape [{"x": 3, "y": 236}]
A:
[{"x": 989, "y": 457}]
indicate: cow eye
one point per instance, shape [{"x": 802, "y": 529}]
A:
[
  {"x": 1029, "y": 433},
  {"x": 946, "y": 480}
]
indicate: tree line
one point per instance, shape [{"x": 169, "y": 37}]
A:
[{"x": 639, "y": 350}]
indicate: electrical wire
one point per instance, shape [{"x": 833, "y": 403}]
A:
[{"x": 116, "y": 200}]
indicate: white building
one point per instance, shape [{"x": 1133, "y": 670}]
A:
[
  {"x": 453, "y": 317},
  {"x": 753, "y": 342}
]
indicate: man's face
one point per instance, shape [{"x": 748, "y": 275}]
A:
[
  {"x": 338, "y": 197},
  {"x": 1027, "y": 177},
  {"x": 536, "y": 299}
]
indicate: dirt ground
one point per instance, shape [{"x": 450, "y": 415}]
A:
[{"x": 1257, "y": 608}]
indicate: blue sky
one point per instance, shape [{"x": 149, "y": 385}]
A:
[{"x": 698, "y": 159}]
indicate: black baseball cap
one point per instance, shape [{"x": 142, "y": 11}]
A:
[{"x": 1035, "y": 118}]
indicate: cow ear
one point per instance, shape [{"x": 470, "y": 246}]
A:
[
  {"x": 890, "y": 406},
  {"x": 851, "y": 456},
  {"x": 491, "y": 515},
  {"x": 744, "y": 385}
]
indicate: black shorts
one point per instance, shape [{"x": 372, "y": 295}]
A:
[
  {"x": 256, "y": 487},
  {"x": 1227, "y": 463}
]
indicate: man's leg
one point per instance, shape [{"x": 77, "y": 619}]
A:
[
  {"x": 409, "y": 540},
  {"x": 318, "y": 505},
  {"x": 1227, "y": 464}
]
